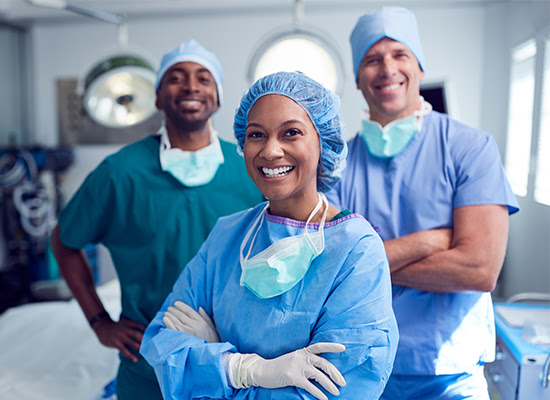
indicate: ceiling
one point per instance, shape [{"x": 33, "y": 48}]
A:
[{"x": 22, "y": 12}]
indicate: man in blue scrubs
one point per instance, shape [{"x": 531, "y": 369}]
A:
[
  {"x": 152, "y": 204},
  {"x": 438, "y": 192}
]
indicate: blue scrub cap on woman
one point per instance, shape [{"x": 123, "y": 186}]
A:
[
  {"x": 396, "y": 23},
  {"x": 192, "y": 51},
  {"x": 320, "y": 104}
]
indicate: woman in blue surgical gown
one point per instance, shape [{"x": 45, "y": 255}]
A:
[{"x": 290, "y": 299}]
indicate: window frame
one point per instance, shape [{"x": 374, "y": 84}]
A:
[{"x": 535, "y": 173}]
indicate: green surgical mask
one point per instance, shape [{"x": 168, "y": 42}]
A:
[
  {"x": 191, "y": 168},
  {"x": 282, "y": 265},
  {"x": 390, "y": 140}
]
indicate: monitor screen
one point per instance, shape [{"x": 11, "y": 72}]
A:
[{"x": 434, "y": 93}]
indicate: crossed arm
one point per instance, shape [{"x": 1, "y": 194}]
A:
[{"x": 467, "y": 258}]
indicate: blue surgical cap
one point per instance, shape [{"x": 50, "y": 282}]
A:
[
  {"x": 322, "y": 107},
  {"x": 192, "y": 51},
  {"x": 396, "y": 23}
]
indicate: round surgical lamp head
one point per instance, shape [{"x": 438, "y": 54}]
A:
[
  {"x": 299, "y": 49},
  {"x": 119, "y": 91}
]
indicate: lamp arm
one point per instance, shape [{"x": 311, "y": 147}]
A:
[
  {"x": 64, "y": 5},
  {"x": 98, "y": 14},
  {"x": 298, "y": 15}
]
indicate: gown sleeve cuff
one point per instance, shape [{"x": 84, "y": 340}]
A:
[{"x": 229, "y": 359}]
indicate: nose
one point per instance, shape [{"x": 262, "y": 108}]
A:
[
  {"x": 389, "y": 67},
  {"x": 190, "y": 84},
  {"x": 272, "y": 149}
]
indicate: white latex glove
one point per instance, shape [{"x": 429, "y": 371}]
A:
[
  {"x": 292, "y": 369},
  {"x": 181, "y": 317}
]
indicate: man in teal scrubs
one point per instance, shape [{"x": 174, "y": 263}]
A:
[{"x": 152, "y": 204}]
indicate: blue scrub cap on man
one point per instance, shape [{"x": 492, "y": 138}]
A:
[
  {"x": 320, "y": 104},
  {"x": 192, "y": 51},
  {"x": 396, "y": 23}
]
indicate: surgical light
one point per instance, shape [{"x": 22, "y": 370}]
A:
[{"x": 119, "y": 90}]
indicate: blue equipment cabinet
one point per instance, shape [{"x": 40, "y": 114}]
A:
[{"x": 520, "y": 370}]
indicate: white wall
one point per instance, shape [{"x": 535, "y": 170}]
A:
[{"x": 11, "y": 124}]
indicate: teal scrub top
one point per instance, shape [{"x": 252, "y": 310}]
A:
[{"x": 151, "y": 223}]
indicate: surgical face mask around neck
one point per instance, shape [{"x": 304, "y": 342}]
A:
[
  {"x": 282, "y": 265},
  {"x": 392, "y": 139},
  {"x": 191, "y": 168}
]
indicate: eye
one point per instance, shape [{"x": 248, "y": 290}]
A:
[
  {"x": 370, "y": 61},
  {"x": 174, "y": 78},
  {"x": 204, "y": 78},
  {"x": 292, "y": 132},
  {"x": 254, "y": 134}
]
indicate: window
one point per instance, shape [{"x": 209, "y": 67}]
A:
[
  {"x": 542, "y": 178},
  {"x": 520, "y": 116},
  {"x": 528, "y": 141}
]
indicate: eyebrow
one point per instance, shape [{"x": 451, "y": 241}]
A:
[
  {"x": 289, "y": 122},
  {"x": 182, "y": 70}
]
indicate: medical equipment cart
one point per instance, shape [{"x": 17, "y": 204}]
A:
[{"x": 521, "y": 369}]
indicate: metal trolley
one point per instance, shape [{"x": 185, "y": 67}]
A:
[{"x": 521, "y": 367}]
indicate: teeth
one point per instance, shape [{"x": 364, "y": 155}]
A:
[
  {"x": 276, "y": 172},
  {"x": 190, "y": 102},
  {"x": 391, "y": 87}
]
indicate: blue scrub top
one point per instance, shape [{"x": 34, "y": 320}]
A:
[
  {"x": 345, "y": 297},
  {"x": 446, "y": 165}
]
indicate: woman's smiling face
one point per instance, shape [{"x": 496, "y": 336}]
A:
[{"x": 282, "y": 149}]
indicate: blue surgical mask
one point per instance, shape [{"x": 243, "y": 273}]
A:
[
  {"x": 191, "y": 168},
  {"x": 392, "y": 139},
  {"x": 282, "y": 265}
]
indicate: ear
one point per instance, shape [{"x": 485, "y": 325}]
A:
[
  {"x": 158, "y": 104},
  {"x": 217, "y": 99}
]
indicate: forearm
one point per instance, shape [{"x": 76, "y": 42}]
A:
[
  {"x": 75, "y": 269},
  {"x": 474, "y": 259},
  {"x": 451, "y": 271},
  {"x": 409, "y": 249},
  {"x": 195, "y": 367}
]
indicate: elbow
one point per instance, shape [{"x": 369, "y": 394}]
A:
[
  {"x": 487, "y": 284},
  {"x": 482, "y": 268},
  {"x": 486, "y": 277}
]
